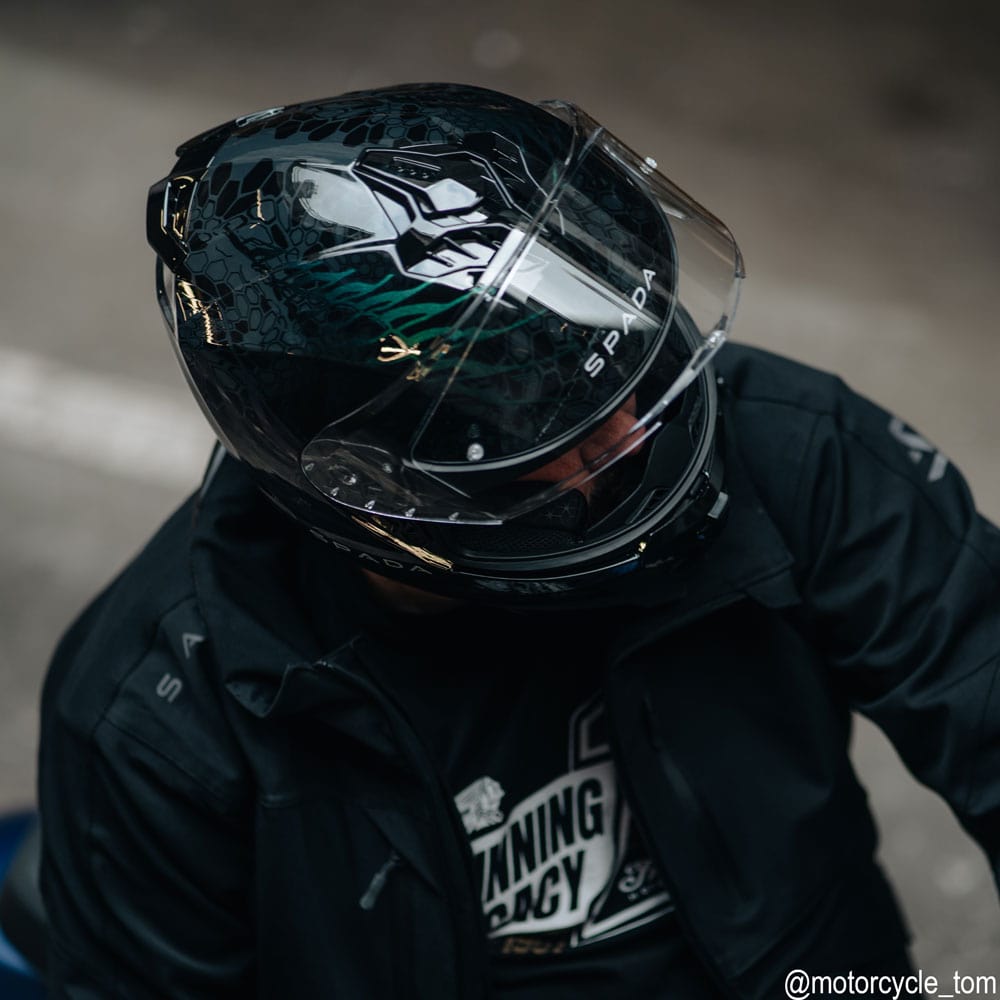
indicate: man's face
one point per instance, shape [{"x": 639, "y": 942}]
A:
[{"x": 615, "y": 434}]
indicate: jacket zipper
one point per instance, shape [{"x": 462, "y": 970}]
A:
[
  {"x": 444, "y": 804},
  {"x": 371, "y": 894}
]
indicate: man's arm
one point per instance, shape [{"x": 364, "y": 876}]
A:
[
  {"x": 901, "y": 581},
  {"x": 146, "y": 860}
]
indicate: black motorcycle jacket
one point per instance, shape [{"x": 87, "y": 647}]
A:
[{"x": 220, "y": 785}]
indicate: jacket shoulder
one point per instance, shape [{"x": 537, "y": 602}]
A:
[
  {"x": 815, "y": 449},
  {"x": 134, "y": 675},
  {"x": 754, "y": 376},
  {"x": 800, "y": 424},
  {"x": 773, "y": 409}
]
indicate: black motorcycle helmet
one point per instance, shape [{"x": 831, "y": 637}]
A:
[{"x": 400, "y": 307}]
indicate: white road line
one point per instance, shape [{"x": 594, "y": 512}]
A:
[{"x": 117, "y": 425}]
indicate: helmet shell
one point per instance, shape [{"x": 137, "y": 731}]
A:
[{"x": 327, "y": 272}]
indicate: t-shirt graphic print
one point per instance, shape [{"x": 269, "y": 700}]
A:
[{"x": 564, "y": 866}]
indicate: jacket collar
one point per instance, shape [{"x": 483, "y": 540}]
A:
[
  {"x": 247, "y": 568},
  {"x": 748, "y": 559}
]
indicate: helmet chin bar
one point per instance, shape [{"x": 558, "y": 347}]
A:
[
  {"x": 571, "y": 569},
  {"x": 614, "y": 573}
]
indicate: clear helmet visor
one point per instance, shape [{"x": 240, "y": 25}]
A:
[{"x": 569, "y": 338}]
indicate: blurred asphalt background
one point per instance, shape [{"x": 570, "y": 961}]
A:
[{"x": 853, "y": 148}]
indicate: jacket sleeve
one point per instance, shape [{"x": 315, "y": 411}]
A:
[
  {"x": 145, "y": 863},
  {"x": 900, "y": 577}
]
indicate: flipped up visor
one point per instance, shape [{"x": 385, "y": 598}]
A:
[{"x": 574, "y": 318}]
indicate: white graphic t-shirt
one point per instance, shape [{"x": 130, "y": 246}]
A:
[{"x": 564, "y": 864}]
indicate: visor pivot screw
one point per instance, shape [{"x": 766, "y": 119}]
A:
[
  {"x": 649, "y": 165},
  {"x": 475, "y": 452}
]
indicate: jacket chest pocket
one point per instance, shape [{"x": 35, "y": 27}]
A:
[{"x": 349, "y": 898}]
